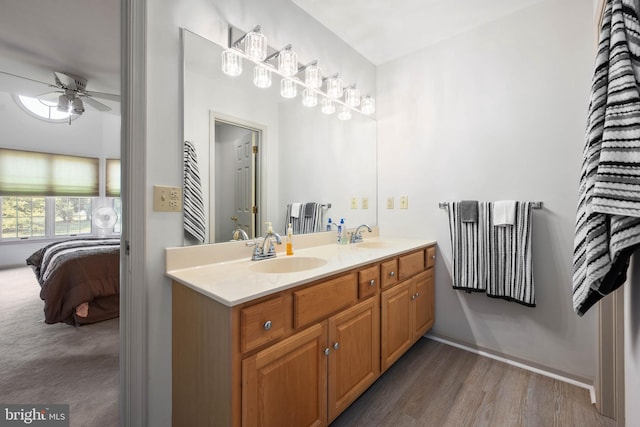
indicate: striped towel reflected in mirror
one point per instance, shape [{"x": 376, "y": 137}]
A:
[
  {"x": 194, "y": 218},
  {"x": 495, "y": 259},
  {"x": 304, "y": 217}
]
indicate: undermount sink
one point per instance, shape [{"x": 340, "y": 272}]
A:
[
  {"x": 287, "y": 265},
  {"x": 372, "y": 245}
]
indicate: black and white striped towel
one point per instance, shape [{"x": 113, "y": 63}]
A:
[
  {"x": 509, "y": 271},
  {"x": 194, "y": 218},
  {"x": 607, "y": 223},
  {"x": 468, "y": 249}
]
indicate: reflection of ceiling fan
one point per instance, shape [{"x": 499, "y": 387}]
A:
[{"x": 69, "y": 93}]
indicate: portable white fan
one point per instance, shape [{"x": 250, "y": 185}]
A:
[{"x": 104, "y": 218}]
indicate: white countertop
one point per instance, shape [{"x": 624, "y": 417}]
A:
[{"x": 233, "y": 282}]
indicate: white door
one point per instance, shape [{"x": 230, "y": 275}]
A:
[{"x": 244, "y": 182}]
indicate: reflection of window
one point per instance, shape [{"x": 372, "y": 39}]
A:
[
  {"x": 117, "y": 205},
  {"x": 72, "y": 215},
  {"x": 113, "y": 177},
  {"x": 44, "y": 110}
]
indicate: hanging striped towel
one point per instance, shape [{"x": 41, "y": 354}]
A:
[
  {"x": 468, "y": 249},
  {"x": 194, "y": 218},
  {"x": 607, "y": 223},
  {"x": 510, "y": 273}
]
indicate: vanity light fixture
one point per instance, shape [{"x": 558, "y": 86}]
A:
[
  {"x": 262, "y": 77},
  {"x": 368, "y": 105},
  {"x": 309, "y": 98},
  {"x": 328, "y": 107},
  {"x": 330, "y": 92},
  {"x": 352, "y": 96},
  {"x": 288, "y": 88},
  {"x": 344, "y": 113}
]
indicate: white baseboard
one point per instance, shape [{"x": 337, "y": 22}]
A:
[{"x": 504, "y": 359}]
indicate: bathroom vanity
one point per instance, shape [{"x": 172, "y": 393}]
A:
[{"x": 294, "y": 342}]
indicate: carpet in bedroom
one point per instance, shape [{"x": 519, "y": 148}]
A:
[{"x": 55, "y": 364}]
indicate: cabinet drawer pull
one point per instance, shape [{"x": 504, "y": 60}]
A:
[
  {"x": 267, "y": 325},
  {"x": 327, "y": 351},
  {"x": 417, "y": 294},
  {"x": 413, "y": 297},
  {"x": 372, "y": 282},
  {"x": 336, "y": 346},
  {"x": 392, "y": 274},
  {"x": 433, "y": 257}
]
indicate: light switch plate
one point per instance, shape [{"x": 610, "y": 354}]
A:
[
  {"x": 365, "y": 203},
  {"x": 404, "y": 202},
  {"x": 167, "y": 198},
  {"x": 354, "y": 203},
  {"x": 390, "y": 202}
]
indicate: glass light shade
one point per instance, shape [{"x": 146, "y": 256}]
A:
[
  {"x": 312, "y": 76},
  {"x": 368, "y": 105},
  {"x": 309, "y": 98},
  {"x": 344, "y": 113},
  {"x": 288, "y": 88},
  {"x": 261, "y": 77},
  {"x": 334, "y": 87},
  {"x": 76, "y": 106},
  {"x": 288, "y": 63},
  {"x": 352, "y": 97},
  {"x": 255, "y": 46},
  {"x": 231, "y": 63},
  {"x": 328, "y": 106},
  {"x": 63, "y": 103}
]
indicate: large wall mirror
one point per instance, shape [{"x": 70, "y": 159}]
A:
[{"x": 259, "y": 153}]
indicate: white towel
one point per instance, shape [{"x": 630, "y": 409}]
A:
[
  {"x": 504, "y": 212},
  {"x": 295, "y": 209}
]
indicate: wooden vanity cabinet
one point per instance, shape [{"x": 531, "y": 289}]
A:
[{"x": 298, "y": 357}]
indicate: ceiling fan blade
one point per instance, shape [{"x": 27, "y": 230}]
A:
[
  {"x": 102, "y": 95},
  {"x": 95, "y": 104},
  {"x": 49, "y": 96},
  {"x": 69, "y": 81},
  {"x": 27, "y": 78}
]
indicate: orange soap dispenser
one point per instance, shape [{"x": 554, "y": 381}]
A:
[{"x": 289, "y": 240}]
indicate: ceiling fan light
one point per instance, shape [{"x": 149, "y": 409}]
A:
[
  {"x": 63, "y": 103},
  {"x": 231, "y": 63},
  {"x": 77, "y": 106}
]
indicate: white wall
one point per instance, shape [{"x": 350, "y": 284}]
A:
[
  {"x": 497, "y": 113},
  {"x": 283, "y": 23},
  {"x": 94, "y": 134}
]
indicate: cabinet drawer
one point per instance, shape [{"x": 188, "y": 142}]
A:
[
  {"x": 389, "y": 273},
  {"x": 317, "y": 302},
  {"x": 431, "y": 256},
  {"x": 368, "y": 281},
  {"x": 264, "y": 322},
  {"x": 410, "y": 264}
]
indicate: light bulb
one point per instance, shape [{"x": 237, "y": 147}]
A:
[
  {"x": 255, "y": 46},
  {"x": 261, "y": 77},
  {"x": 344, "y": 113},
  {"x": 231, "y": 63},
  {"x": 368, "y": 105},
  {"x": 327, "y": 106},
  {"x": 352, "y": 97},
  {"x": 288, "y": 63},
  {"x": 309, "y": 98},
  {"x": 334, "y": 87},
  {"x": 288, "y": 88}
]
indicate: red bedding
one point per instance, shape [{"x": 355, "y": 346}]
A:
[{"x": 74, "y": 272}]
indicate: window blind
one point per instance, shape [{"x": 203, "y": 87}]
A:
[
  {"x": 113, "y": 178},
  {"x": 27, "y": 173}
]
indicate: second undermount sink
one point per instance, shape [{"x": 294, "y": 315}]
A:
[
  {"x": 372, "y": 245},
  {"x": 287, "y": 265}
]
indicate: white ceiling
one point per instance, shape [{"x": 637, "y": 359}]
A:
[
  {"x": 83, "y": 37},
  {"x": 383, "y": 30}
]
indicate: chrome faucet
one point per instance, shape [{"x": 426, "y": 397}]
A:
[
  {"x": 266, "y": 249},
  {"x": 356, "y": 237}
]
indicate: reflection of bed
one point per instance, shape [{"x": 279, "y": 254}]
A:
[{"x": 79, "y": 280}]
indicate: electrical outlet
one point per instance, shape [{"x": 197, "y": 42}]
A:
[
  {"x": 390, "y": 202},
  {"x": 354, "y": 203},
  {"x": 365, "y": 203},
  {"x": 404, "y": 202},
  {"x": 167, "y": 199}
]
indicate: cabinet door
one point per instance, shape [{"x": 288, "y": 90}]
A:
[
  {"x": 423, "y": 303},
  {"x": 286, "y": 384},
  {"x": 354, "y": 362},
  {"x": 396, "y": 323}
]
